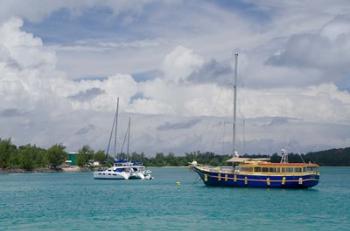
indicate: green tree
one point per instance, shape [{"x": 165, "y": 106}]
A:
[
  {"x": 27, "y": 156},
  {"x": 85, "y": 154},
  {"x": 7, "y": 149},
  {"x": 159, "y": 160},
  {"x": 56, "y": 155},
  {"x": 100, "y": 156}
]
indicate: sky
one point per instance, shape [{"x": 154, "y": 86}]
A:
[{"x": 64, "y": 63}]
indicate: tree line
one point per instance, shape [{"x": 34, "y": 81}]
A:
[
  {"x": 29, "y": 157},
  {"x": 331, "y": 157}
]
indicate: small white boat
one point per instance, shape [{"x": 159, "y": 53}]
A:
[
  {"x": 119, "y": 171},
  {"x": 124, "y": 170},
  {"x": 138, "y": 171}
]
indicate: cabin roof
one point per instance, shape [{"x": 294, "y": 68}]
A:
[
  {"x": 237, "y": 159},
  {"x": 268, "y": 164}
]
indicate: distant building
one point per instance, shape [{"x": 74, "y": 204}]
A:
[{"x": 72, "y": 158}]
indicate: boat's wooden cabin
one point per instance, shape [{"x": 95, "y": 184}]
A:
[{"x": 267, "y": 168}]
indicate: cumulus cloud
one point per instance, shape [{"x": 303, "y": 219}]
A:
[
  {"x": 13, "y": 46},
  {"x": 87, "y": 95},
  {"x": 37, "y": 10},
  {"x": 12, "y": 112},
  {"x": 165, "y": 109},
  {"x": 326, "y": 50},
  {"x": 180, "y": 63},
  {"x": 85, "y": 130},
  {"x": 178, "y": 125},
  {"x": 213, "y": 72}
]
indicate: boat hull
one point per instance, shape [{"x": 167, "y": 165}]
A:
[
  {"x": 102, "y": 175},
  {"x": 256, "y": 181},
  {"x": 137, "y": 176}
]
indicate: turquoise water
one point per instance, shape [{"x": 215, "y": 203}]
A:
[{"x": 74, "y": 201}]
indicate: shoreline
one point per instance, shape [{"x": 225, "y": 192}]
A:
[
  {"x": 65, "y": 169},
  {"x": 44, "y": 170},
  {"x": 78, "y": 169},
  {"x": 38, "y": 170}
]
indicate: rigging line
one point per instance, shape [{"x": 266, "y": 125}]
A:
[
  {"x": 244, "y": 139},
  {"x": 215, "y": 141},
  {"x": 223, "y": 139},
  {"x": 234, "y": 103},
  {"x": 213, "y": 108},
  {"x": 301, "y": 157},
  {"x": 111, "y": 135},
  {"x": 129, "y": 133},
  {"x": 126, "y": 139},
  {"x": 116, "y": 128},
  {"x": 122, "y": 146}
]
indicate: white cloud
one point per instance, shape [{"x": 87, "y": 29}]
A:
[
  {"x": 52, "y": 109},
  {"x": 327, "y": 48},
  {"x": 34, "y": 10},
  {"x": 14, "y": 45},
  {"x": 180, "y": 63}
]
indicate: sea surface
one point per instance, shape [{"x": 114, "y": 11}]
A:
[{"x": 75, "y": 201}]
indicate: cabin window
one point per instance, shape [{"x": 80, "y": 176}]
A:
[
  {"x": 246, "y": 169},
  {"x": 310, "y": 169},
  {"x": 298, "y": 169},
  {"x": 264, "y": 169},
  {"x": 273, "y": 169},
  {"x": 289, "y": 170},
  {"x": 257, "y": 169}
]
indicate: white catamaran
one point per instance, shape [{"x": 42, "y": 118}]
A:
[{"x": 122, "y": 169}]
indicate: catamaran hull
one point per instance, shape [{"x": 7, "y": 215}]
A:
[
  {"x": 111, "y": 176},
  {"x": 140, "y": 176},
  {"x": 137, "y": 176},
  {"x": 256, "y": 181}
]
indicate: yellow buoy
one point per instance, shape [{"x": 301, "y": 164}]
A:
[{"x": 178, "y": 183}]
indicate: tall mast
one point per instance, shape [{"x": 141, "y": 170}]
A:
[
  {"x": 112, "y": 130},
  {"x": 116, "y": 128},
  {"x": 235, "y": 104},
  {"x": 127, "y": 148}
]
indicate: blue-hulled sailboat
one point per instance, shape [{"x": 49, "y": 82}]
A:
[{"x": 246, "y": 172}]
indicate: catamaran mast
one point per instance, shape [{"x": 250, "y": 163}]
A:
[
  {"x": 116, "y": 128},
  {"x": 127, "y": 148},
  {"x": 235, "y": 104}
]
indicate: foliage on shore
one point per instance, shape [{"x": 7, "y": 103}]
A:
[
  {"x": 332, "y": 157},
  {"x": 30, "y": 157}
]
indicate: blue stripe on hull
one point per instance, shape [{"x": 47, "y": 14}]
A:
[{"x": 229, "y": 180}]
